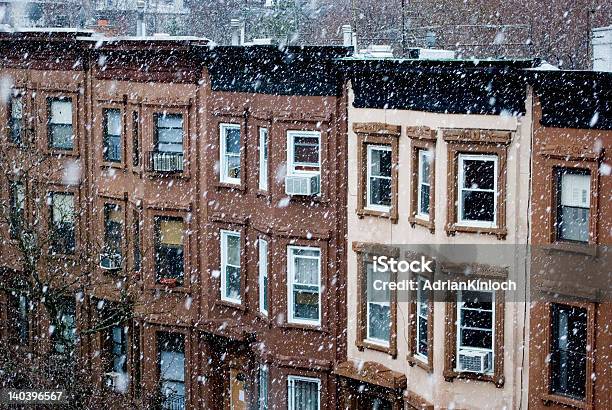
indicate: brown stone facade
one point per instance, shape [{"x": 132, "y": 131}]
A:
[
  {"x": 130, "y": 100},
  {"x": 561, "y": 302}
]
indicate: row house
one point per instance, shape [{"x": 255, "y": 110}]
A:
[
  {"x": 209, "y": 182},
  {"x": 438, "y": 167},
  {"x": 571, "y": 231}
]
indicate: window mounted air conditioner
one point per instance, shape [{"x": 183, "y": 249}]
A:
[
  {"x": 474, "y": 361},
  {"x": 110, "y": 261},
  {"x": 306, "y": 184}
]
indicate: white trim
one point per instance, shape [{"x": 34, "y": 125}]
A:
[
  {"x": 291, "y": 386},
  {"x": 290, "y": 278},
  {"x": 290, "y": 151},
  {"x": 492, "y": 330},
  {"x": 423, "y": 153},
  {"x": 369, "y": 205},
  {"x": 460, "y": 188},
  {"x": 223, "y": 177},
  {"x": 264, "y": 154},
  {"x": 224, "y": 235},
  {"x": 263, "y": 274}
]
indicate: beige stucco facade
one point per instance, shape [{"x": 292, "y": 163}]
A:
[{"x": 432, "y": 387}]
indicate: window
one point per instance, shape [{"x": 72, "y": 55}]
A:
[
  {"x": 422, "y": 322},
  {"x": 263, "y": 159},
  {"x": 16, "y": 118},
  {"x": 230, "y": 153},
  {"x": 60, "y": 124},
  {"x": 112, "y": 135},
  {"x": 169, "y": 257},
  {"x": 113, "y": 233},
  {"x": 18, "y": 313},
  {"x": 263, "y": 276},
  {"x": 477, "y": 180},
  {"x": 475, "y": 331},
  {"x": 573, "y": 204},
  {"x": 303, "y": 152},
  {"x": 423, "y": 189},
  {"x": 230, "y": 266},
  {"x": 168, "y": 154},
  {"x": 171, "y": 350},
  {"x": 379, "y": 178},
  {"x": 377, "y": 170},
  {"x": 264, "y": 378},
  {"x": 568, "y": 351},
  {"x": 17, "y": 208},
  {"x": 135, "y": 139},
  {"x": 137, "y": 246},
  {"x": 64, "y": 337},
  {"x": 304, "y": 285},
  {"x": 378, "y": 325},
  {"x": 62, "y": 238},
  {"x": 117, "y": 336},
  {"x": 303, "y": 393}
]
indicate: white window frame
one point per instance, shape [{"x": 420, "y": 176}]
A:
[
  {"x": 290, "y": 283},
  {"x": 418, "y": 318},
  {"x": 223, "y": 163},
  {"x": 492, "y": 330},
  {"x": 291, "y": 135},
  {"x": 224, "y": 235},
  {"x": 423, "y": 180},
  {"x": 263, "y": 158},
  {"x": 374, "y": 340},
  {"x": 263, "y": 275},
  {"x": 370, "y": 149},
  {"x": 291, "y": 388},
  {"x": 460, "y": 189}
]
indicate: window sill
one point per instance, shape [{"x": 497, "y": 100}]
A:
[
  {"x": 304, "y": 326},
  {"x": 230, "y": 185},
  {"x": 498, "y": 381},
  {"x": 427, "y": 223},
  {"x": 416, "y": 361},
  {"x": 452, "y": 229},
  {"x": 363, "y": 212},
  {"x": 174, "y": 174},
  {"x": 549, "y": 398},
  {"x": 365, "y": 344},
  {"x": 112, "y": 164},
  {"x": 59, "y": 152},
  {"x": 169, "y": 289},
  {"x": 229, "y": 304},
  {"x": 571, "y": 247}
]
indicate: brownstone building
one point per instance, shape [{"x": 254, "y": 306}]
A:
[
  {"x": 210, "y": 180},
  {"x": 571, "y": 226}
]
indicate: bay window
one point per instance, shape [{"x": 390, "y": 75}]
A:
[
  {"x": 378, "y": 188},
  {"x": 478, "y": 191},
  {"x": 304, "y": 285},
  {"x": 230, "y": 266},
  {"x": 60, "y": 127},
  {"x": 573, "y": 204},
  {"x": 169, "y": 250},
  {"x": 229, "y": 147}
]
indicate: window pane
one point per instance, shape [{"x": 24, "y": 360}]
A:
[
  {"x": 424, "y": 161},
  {"x": 373, "y": 295},
  {"x": 380, "y": 191},
  {"x": 306, "y": 271},
  {"x": 477, "y": 300},
  {"x": 61, "y": 112},
  {"x": 171, "y": 232},
  {"x": 424, "y": 205},
  {"x": 305, "y": 395},
  {"x": 422, "y": 334},
  {"x": 478, "y": 174},
  {"x": 306, "y": 150},
  {"x": 478, "y": 206},
  {"x": 574, "y": 224},
  {"x": 170, "y": 121},
  {"x": 63, "y": 207},
  {"x": 477, "y": 318},
  {"x": 568, "y": 350},
  {"x": 476, "y": 338},
  {"x": 61, "y": 136},
  {"x": 232, "y": 140},
  {"x": 306, "y": 302},
  {"x": 380, "y": 162},
  {"x": 574, "y": 206},
  {"x": 379, "y": 321},
  {"x": 113, "y": 122},
  {"x": 575, "y": 190}
]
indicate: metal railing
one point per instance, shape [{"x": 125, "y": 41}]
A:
[
  {"x": 173, "y": 402},
  {"x": 160, "y": 161}
]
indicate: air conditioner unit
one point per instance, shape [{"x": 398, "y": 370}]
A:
[
  {"x": 110, "y": 261},
  {"x": 475, "y": 361},
  {"x": 307, "y": 184}
]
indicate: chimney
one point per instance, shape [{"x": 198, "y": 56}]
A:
[
  {"x": 347, "y": 35},
  {"x": 237, "y": 28}
]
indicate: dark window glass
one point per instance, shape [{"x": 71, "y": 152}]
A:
[
  {"x": 112, "y": 135},
  {"x": 568, "y": 351},
  {"x": 135, "y": 141},
  {"x": 60, "y": 124},
  {"x": 477, "y": 188},
  {"x": 169, "y": 258},
  {"x": 137, "y": 249},
  {"x": 379, "y": 176},
  {"x": 64, "y": 337},
  {"x": 113, "y": 231},
  {"x": 476, "y": 320},
  {"x": 63, "y": 238},
  {"x": 16, "y": 119},
  {"x": 18, "y": 312},
  {"x": 573, "y": 205},
  {"x": 17, "y": 209}
]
